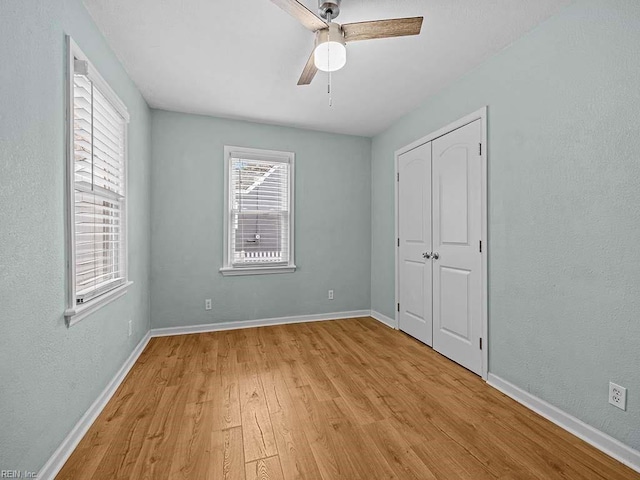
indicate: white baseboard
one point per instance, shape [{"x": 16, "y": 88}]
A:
[
  {"x": 68, "y": 445},
  {"x": 603, "y": 442},
  {"x": 263, "y": 322},
  {"x": 388, "y": 321}
]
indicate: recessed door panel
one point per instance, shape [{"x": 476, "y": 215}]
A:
[
  {"x": 412, "y": 201},
  {"x": 454, "y": 201},
  {"x": 414, "y": 229},
  {"x": 454, "y": 301},
  {"x": 414, "y": 295}
]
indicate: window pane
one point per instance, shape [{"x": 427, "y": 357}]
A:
[
  {"x": 99, "y": 189},
  {"x": 260, "y": 212}
]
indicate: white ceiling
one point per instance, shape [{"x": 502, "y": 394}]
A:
[{"x": 242, "y": 58}]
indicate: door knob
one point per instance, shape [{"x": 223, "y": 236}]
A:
[
  {"x": 426, "y": 255},
  {"x": 435, "y": 255}
]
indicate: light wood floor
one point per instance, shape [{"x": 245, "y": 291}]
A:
[{"x": 345, "y": 399}]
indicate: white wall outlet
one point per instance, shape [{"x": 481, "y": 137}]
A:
[
  {"x": 330, "y": 296},
  {"x": 207, "y": 304},
  {"x": 130, "y": 327},
  {"x": 617, "y": 396}
]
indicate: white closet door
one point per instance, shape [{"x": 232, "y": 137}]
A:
[
  {"x": 457, "y": 261},
  {"x": 414, "y": 229}
]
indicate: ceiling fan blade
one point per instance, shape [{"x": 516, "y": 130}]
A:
[
  {"x": 397, "y": 27},
  {"x": 309, "y": 71},
  {"x": 301, "y": 13}
]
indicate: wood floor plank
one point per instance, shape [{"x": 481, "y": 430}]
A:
[
  {"x": 296, "y": 456},
  {"x": 344, "y": 399},
  {"x": 293, "y": 373},
  {"x": 446, "y": 459},
  {"x": 182, "y": 361},
  {"x": 227, "y": 403},
  {"x": 276, "y": 392},
  {"x": 293, "y": 446},
  {"x": 352, "y": 389},
  {"x": 227, "y": 358},
  {"x": 258, "y": 438},
  {"x": 397, "y": 451},
  {"x": 227, "y": 454},
  {"x": 264, "y": 469},
  {"x": 317, "y": 379},
  {"x": 351, "y": 441},
  {"x": 329, "y": 456},
  {"x": 192, "y": 453},
  {"x": 207, "y": 353},
  {"x": 203, "y": 387},
  {"x": 155, "y": 456}
]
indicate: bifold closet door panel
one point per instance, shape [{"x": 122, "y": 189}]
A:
[
  {"x": 457, "y": 231},
  {"x": 414, "y": 231}
]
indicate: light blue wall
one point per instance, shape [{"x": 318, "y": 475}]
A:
[
  {"x": 332, "y": 223},
  {"x": 50, "y": 374},
  {"x": 564, "y": 222}
]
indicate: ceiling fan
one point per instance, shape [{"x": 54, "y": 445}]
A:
[{"x": 330, "y": 53}]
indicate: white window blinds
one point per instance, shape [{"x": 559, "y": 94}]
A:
[
  {"x": 99, "y": 189},
  {"x": 259, "y": 212}
]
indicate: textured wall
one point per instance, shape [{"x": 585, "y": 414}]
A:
[
  {"x": 332, "y": 223},
  {"x": 50, "y": 374},
  {"x": 564, "y": 223}
]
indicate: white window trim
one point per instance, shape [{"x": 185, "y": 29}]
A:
[
  {"x": 74, "y": 313},
  {"x": 257, "y": 154}
]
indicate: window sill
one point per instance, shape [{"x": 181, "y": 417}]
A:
[
  {"x": 74, "y": 315},
  {"x": 230, "y": 271}
]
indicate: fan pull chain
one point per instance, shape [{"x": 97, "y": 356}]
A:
[
  {"x": 329, "y": 59},
  {"x": 329, "y": 91}
]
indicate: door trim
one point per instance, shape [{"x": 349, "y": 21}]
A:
[{"x": 480, "y": 114}]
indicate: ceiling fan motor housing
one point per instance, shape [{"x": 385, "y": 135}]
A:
[{"x": 329, "y": 6}]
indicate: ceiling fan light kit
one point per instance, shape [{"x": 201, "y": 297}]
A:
[{"x": 330, "y": 52}]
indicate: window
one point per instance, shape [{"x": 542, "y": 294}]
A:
[
  {"x": 97, "y": 189},
  {"x": 258, "y": 212}
]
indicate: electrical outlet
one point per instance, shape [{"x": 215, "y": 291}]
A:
[
  {"x": 617, "y": 396},
  {"x": 207, "y": 304},
  {"x": 130, "y": 327},
  {"x": 330, "y": 294}
]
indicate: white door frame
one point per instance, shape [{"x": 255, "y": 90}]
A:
[{"x": 477, "y": 115}]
